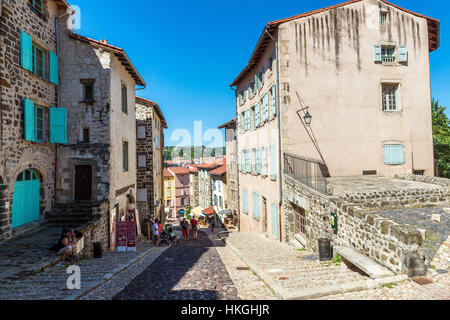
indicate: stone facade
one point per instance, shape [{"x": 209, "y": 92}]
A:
[
  {"x": 394, "y": 245},
  {"x": 149, "y": 128},
  {"x": 193, "y": 187},
  {"x": 17, "y": 84}
]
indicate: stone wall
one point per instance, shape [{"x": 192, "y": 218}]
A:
[
  {"x": 443, "y": 182},
  {"x": 5, "y": 211},
  {"x": 97, "y": 230},
  {"x": 396, "y": 246}
]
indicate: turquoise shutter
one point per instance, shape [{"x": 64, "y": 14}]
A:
[
  {"x": 258, "y": 114},
  {"x": 377, "y": 53},
  {"x": 275, "y": 220},
  {"x": 265, "y": 107},
  {"x": 26, "y": 51},
  {"x": 273, "y": 168},
  {"x": 258, "y": 161},
  {"x": 255, "y": 205},
  {"x": 29, "y": 123},
  {"x": 264, "y": 156},
  {"x": 58, "y": 125},
  {"x": 53, "y": 58},
  {"x": 274, "y": 97},
  {"x": 394, "y": 154},
  {"x": 402, "y": 54}
]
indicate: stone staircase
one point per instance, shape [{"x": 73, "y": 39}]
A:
[{"x": 73, "y": 214}]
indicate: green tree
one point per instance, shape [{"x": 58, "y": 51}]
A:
[{"x": 441, "y": 138}]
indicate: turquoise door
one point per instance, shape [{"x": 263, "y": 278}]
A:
[{"x": 25, "y": 206}]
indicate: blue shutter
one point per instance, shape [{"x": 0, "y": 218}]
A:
[
  {"x": 377, "y": 53},
  {"x": 257, "y": 114},
  {"x": 275, "y": 220},
  {"x": 273, "y": 161},
  {"x": 29, "y": 123},
  {"x": 255, "y": 205},
  {"x": 402, "y": 54},
  {"x": 26, "y": 51},
  {"x": 265, "y": 107},
  {"x": 53, "y": 68},
  {"x": 394, "y": 154},
  {"x": 58, "y": 125},
  {"x": 264, "y": 156},
  {"x": 274, "y": 99}
]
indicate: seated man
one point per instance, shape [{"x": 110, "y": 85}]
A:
[{"x": 66, "y": 244}]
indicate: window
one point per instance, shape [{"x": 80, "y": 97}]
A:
[
  {"x": 383, "y": 18},
  {"x": 270, "y": 63},
  {"x": 37, "y": 4},
  {"x": 394, "y": 154},
  {"x": 215, "y": 200},
  {"x": 264, "y": 161},
  {"x": 168, "y": 194},
  {"x": 142, "y": 161},
  {"x": 299, "y": 221},
  {"x": 265, "y": 108},
  {"x": 141, "y": 132},
  {"x": 258, "y": 161},
  {"x": 248, "y": 161},
  {"x": 388, "y": 53},
  {"x": 38, "y": 61},
  {"x": 40, "y": 123},
  {"x": 125, "y": 155},
  {"x": 168, "y": 184},
  {"x": 274, "y": 103},
  {"x": 220, "y": 202},
  {"x": 390, "y": 97},
  {"x": 85, "y": 132},
  {"x": 124, "y": 99},
  {"x": 142, "y": 195},
  {"x": 88, "y": 89},
  {"x": 257, "y": 115}
]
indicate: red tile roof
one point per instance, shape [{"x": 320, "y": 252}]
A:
[
  {"x": 227, "y": 124},
  {"x": 264, "y": 39},
  {"x": 179, "y": 170},
  {"x": 219, "y": 171},
  {"x": 194, "y": 169},
  {"x": 119, "y": 52},
  {"x": 167, "y": 173},
  {"x": 209, "y": 211}
]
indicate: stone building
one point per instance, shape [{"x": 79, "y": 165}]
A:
[
  {"x": 297, "y": 116},
  {"x": 204, "y": 183},
  {"x": 193, "y": 185},
  {"x": 232, "y": 186},
  {"x": 150, "y": 125},
  {"x": 181, "y": 188},
  {"x": 32, "y": 124},
  {"x": 97, "y": 166},
  {"x": 219, "y": 178}
]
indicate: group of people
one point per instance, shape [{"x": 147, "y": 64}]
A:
[{"x": 193, "y": 225}]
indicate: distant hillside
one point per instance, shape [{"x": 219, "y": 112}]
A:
[{"x": 190, "y": 153}]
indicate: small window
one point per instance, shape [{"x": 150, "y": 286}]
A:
[
  {"x": 388, "y": 54},
  {"x": 85, "y": 132},
  {"x": 383, "y": 18},
  {"x": 124, "y": 99},
  {"x": 125, "y": 155},
  {"x": 38, "y": 5},
  {"x": 38, "y": 61},
  {"x": 142, "y": 195},
  {"x": 390, "y": 97},
  {"x": 88, "y": 89},
  {"x": 141, "y": 132},
  {"x": 300, "y": 221},
  {"x": 142, "y": 161}
]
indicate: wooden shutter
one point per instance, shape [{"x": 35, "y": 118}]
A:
[
  {"x": 402, "y": 54},
  {"x": 377, "y": 53},
  {"x": 275, "y": 220},
  {"x": 394, "y": 154},
  {"x": 53, "y": 59},
  {"x": 58, "y": 125},
  {"x": 265, "y": 107},
  {"x": 26, "y": 51},
  {"x": 274, "y": 99},
  {"x": 255, "y": 205},
  {"x": 273, "y": 161},
  {"x": 29, "y": 120}
]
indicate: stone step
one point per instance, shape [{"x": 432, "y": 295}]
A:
[{"x": 364, "y": 263}]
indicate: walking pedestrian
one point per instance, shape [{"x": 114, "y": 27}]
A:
[
  {"x": 155, "y": 232},
  {"x": 185, "y": 228},
  {"x": 194, "y": 227}
]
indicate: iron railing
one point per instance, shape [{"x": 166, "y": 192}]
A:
[{"x": 310, "y": 172}]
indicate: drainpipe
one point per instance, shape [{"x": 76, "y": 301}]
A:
[
  {"x": 278, "y": 128},
  {"x": 237, "y": 158}
]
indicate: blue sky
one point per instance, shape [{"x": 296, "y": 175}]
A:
[{"x": 189, "y": 51}]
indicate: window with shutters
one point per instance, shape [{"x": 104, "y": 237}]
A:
[
  {"x": 248, "y": 161},
  {"x": 124, "y": 99},
  {"x": 264, "y": 161},
  {"x": 265, "y": 108},
  {"x": 257, "y": 114},
  {"x": 390, "y": 96},
  {"x": 388, "y": 54},
  {"x": 125, "y": 155},
  {"x": 383, "y": 18},
  {"x": 37, "y": 5},
  {"x": 299, "y": 221},
  {"x": 40, "y": 124}
]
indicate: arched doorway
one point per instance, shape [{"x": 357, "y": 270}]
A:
[{"x": 26, "y": 198}]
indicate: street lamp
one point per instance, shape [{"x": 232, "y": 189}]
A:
[{"x": 307, "y": 118}]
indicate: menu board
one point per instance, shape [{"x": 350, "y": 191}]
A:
[
  {"x": 122, "y": 236},
  {"x": 131, "y": 236}
]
